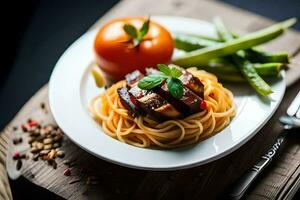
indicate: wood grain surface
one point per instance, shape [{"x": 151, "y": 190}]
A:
[{"x": 206, "y": 182}]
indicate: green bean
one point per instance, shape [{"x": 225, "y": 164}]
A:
[
  {"x": 202, "y": 56},
  {"x": 203, "y": 37},
  {"x": 268, "y": 69},
  {"x": 245, "y": 67},
  {"x": 230, "y": 77},
  {"x": 248, "y": 71},
  {"x": 255, "y": 55},
  {"x": 223, "y": 66},
  {"x": 190, "y": 43},
  {"x": 231, "y": 74}
]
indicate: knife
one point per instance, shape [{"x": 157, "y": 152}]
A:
[{"x": 240, "y": 187}]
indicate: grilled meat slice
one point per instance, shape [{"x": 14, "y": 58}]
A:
[
  {"x": 138, "y": 92},
  {"x": 157, "y": 107},
  {"x": 188, "y": 104},
  {"x": 129, "y": 102},
  {"x": 193, "y": 83},
  {"x": 133, "y": 77}
]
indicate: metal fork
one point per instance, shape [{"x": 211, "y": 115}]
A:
[{"x": 290, "y": 121}]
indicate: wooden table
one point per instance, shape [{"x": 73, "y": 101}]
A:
[{"x": 205, "y": 182}]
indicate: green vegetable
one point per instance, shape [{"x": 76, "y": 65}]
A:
[
  {"x": 170, "y": 74},
  {"x": 255, "y": 55},
  {"x": 230, "y": 77},
  {"x": 224, "y": 66},
  {"x": 204, "y": 37},
  {"x": 137, "y": 35},
  {"x": 227, "y": 71},
  {"x": 248, "y": 71},
  {"x": 190, "y": 43},
  {"x": 164, "y": 69},
  {"x": 244, "y": 66},
  {"x": 151, "y": 81},
  {"x": 175, "y": 87},
  {"x": 268, "y": 69},
  {"x": 202, "y": 56}
]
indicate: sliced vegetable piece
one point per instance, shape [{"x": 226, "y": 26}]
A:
[
  {"x": 98, "y": 77},
  {"x": 202, "y": 56}
]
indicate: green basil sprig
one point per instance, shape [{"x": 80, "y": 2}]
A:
[
  {"x": 137, "y": 35},
  {"x": 168, "y": 74}
]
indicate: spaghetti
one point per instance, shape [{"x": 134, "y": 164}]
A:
[{"x": 142, "y": 131}]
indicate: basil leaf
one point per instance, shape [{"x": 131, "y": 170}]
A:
[
  {"x": 151, "y": 81},
  {"x": 130, "y": 30},
  {"x": 164, "y": 68},
  {"x": 176, "y": 73},
  {"x": 175, "y": 87},
  {"x": 144, "y": 29}
]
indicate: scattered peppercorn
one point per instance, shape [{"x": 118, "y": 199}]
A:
[
  {"x": 19, "y": 164},
  {"x": 43, "y": 105},
  {"x": 17, "y": 140},
  {"x": 67, "y": 172}
]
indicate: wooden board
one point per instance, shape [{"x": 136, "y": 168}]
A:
[{"x": 208, "y": 181}]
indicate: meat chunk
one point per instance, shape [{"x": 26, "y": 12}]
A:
[
  {"x": 129, "y": 102},
  {"x": 157, "y": 107},
  {"x": 188, "y": 104},
  {"x": 193, "y": 83},
  {"x": 133, "y": 78}
]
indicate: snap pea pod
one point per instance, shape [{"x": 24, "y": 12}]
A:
[
  {"x": 223, "y": 66},
  {"x": 234, "y": 76},
  {"x": 268, "y": 69},
  {"x": 203, "y": 37},
  {"x": 189, "y": 43},
  {"x": 244, "y": 66},
  {"x": 255, "y": 55},
  {"x": 248, "y": 71},
  {"x": 202, "y": 56},
  {"x": 230, "y": 77}
]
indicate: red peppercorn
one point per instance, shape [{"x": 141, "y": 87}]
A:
[
  {"x": 24, "y": 128},
  {"x": 16, "y": 155},
  {"x": 32, "y": 123},
  {"x": 67, "y": 172},
  {"x": 203, "y": 105}
]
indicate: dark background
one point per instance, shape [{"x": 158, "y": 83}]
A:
[{"x": 35, "y": 33}]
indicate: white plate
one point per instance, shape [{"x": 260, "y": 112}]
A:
[{"x": 72, "y": 87}]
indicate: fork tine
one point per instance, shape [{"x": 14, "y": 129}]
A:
[
  {"x": 298, "y": 113},
  {"x": 293, "y": 108}
]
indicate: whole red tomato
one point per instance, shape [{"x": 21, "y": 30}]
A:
[{"x": 117, "y": 55}]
